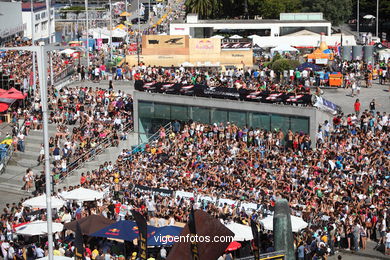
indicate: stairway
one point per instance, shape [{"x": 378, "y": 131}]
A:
[{"x": 12, "y": 178}]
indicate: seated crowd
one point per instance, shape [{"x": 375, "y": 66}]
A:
[{"x": 340, "y": 188}]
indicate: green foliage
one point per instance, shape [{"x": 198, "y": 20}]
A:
[
  {"x": 336, "y": 11},
  {"x": 282, "y": 64},
  {"x": 202, "y": 7},
  {"x": 270, "y": 9}
]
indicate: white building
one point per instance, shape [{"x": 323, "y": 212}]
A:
[
  {"x": 40, "y": 21},
  {"x": 11, "y": 23},
  {"x": 294, "y": 29}
]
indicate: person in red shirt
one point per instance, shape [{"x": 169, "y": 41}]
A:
[{"x": 357, "y": 107}]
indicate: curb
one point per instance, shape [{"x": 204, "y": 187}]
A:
[{"x": 360, "y": 253}]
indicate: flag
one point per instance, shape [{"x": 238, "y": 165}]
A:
[
  {"x": 79, "y": 244},
  {"x": 207, "y": 227},
  {"x": 142, "y": 228},
  {"x": 194, "y": 244},
  {"x": 256, "y": 240}
]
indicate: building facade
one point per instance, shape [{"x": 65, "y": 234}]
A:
[
  {"x": 40, "y": 21},
  {"x": 11, "y": 22},
  {"x": 153, "y": 110}
]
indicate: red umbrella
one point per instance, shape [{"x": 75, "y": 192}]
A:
[
  {"x": 233, "y": 246},
  {"x": 3, "y": 107}
]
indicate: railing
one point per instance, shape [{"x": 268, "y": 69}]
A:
[
  {"x": 152, "y": 138},
  {"x": 69, "y": 70},
  {"x": 82, "y": 159}
]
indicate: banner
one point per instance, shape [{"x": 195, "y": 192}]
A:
[
  {"x": 223, "y": 92},
  {"x": 142, "y": 227},
  {"x": 162, "y": 192},
  {"x": 325, "y": 105},
  {"x": 79, "y": 244},
  {"x": 184, "y": 194}
]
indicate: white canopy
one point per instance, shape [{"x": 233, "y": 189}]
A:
[
  {"x": 297, "y": 223},
  {"x": 235, "y": 37},
  {"x": 104, "y": 33},
  {"x": 67, "y": 51},
  {"x": 40, "y": 202},
  {"x": 253, "y": 36},
  {"x": 57, "y": 257},
  {"x": 384, "y": 54},
  {"x": 217, "y": 37},
  {"x": 369, "y": 16},
  {"x": 241, "y": 232},
  {"x": 82, "y": 194},
  {"x": 283, "y": 48},
  {"x": 37, "y": 228}
]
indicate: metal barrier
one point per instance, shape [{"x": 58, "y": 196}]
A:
[
  {"x": 69, "y": 70},
  {"x": 82, "y": 159},
  {"x": 151, "y": 138}
]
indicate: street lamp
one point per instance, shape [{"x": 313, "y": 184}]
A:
[
  {"x": 33, "y": 44},
  {"x": 377, "y": 18},
  {"x": 50, "y": 40},
  {"x": 87, "y": 30}
]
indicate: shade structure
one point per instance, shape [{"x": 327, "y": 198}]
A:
[
  {"x": 308, "y": 65},
  {"x": 233, "y": 246},
  {"x": 283, "y": 48},
  {"x": 369, "y": 16},
  {"x": 67, "y": 51},
  {"x": 90, "y": 224},
  {"x": 297, "y": 223},
  {"x": 241, "y": 232},
  {"x": 57, "y": 257},
  {"x": 37, "y": 228},
  {"x": 13, "y": 93},
  {"x": 82, "y": 194},
  {"x": 253, "y": 36},
  {"x": 217, "y": 37},
  {"x": 3, "y": 107},
  {"x": 125, "y": 14},
  {"x": 235, "y": 37},
  {"x": 164, "y": 236},
  {"x": 40, "y": 202}
]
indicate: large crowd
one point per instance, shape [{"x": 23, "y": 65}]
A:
[{"x": 340, "y": 188}]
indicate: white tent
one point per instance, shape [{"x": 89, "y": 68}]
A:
[
  {"x": 82, "y": 194},
  {"x": 384, "y": 54},
  {"x": 296, "y": 223},
  {"x": 368, "y": 16},
  {"x": 67, "y": 51},
  {"x": 283, "y": 48},
  {"x": 253, "y": 36},
  {"x": 241, "y": 232},
  {"x": 40, "y": 202},
  {"x": 57, "y": 257},
  {"x": 235, "y": 37},
  {"x": 37, "y": 228},
  {"x": 217, "y": 37}
]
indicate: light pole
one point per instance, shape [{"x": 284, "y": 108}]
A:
[
  {"x": 357, "y": 19},
  {"x": 139, "y": 31},
  {"x": 110, "y": 31},
  {"x": 87, "y": 31},
  {"x": 377, "y": 18},
  {"x": 50, "y": 40},
  {"x": 33, "y": 44}
]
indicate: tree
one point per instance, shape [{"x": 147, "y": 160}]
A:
[
  {"x": 281, "y": 65},
  {"x": 336, "y": 11},
  {"x": 201, "y": 7},
  {"x": 271, "y": 9}
]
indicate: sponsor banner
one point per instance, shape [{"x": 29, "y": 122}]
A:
[
  {"x": 203, "y": 46},
  {"x": 325, "y": 105},
  {"x": 164, "y": 41},
  {"x": 162, "y": 192},
  {"x": 228, "y": 93}
]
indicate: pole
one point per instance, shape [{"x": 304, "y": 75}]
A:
[
  {"x": 377, "y": 18},
  {"x": 87, "y": 31},
  {"x": 357, "y": 19},
  {"x": 43, "y": 87},
  {"x": 33, "y": 44},
  {"x": 139, "y": 30},
  {"x": 126, "y": 8},
  {"x": 50, "y": 40},
  {"x": 110, "y": 31}
]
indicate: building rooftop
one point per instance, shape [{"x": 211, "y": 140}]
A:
[{"x": 26, "y": 7}]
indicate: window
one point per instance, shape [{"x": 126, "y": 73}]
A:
[
  {"x": 238, "y": 118},
  {"x": 261, "y": 121},
  {"x": 179, "y": 113},
  {"x": 36, "y": 28},
  {"x": 43, "y": 15},
  {"x": 219, "y": 116},
  {"x": 44, "y": 26},
  {"x": 162, "y": 111},
  {"x": 279, "y": 122},
  {"x": 145, "y": 109},
  {"x": 37, "y": 17},
  {"x": 299, "y": 124},
  {"x": 201, "y": 114}
]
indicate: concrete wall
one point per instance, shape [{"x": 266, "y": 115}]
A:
[{"x": 315, "y": 116}]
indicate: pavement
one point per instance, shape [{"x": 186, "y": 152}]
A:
[{"x": 369, "y": 253}]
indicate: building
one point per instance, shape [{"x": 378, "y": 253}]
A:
[
  {"x": 40, "y": 21},
  {"x": 294, "y": 29},
  {"x": 11, "y": 22},
  {"x": 152, "y": 110}
]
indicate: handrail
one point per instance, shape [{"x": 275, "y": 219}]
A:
[{"x": 80, "y": 161}]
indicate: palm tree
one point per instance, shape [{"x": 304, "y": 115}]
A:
[{"x": 201, "y": 7}]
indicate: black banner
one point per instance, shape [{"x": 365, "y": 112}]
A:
[
  {"x": 142, "y": 228},
  {"x": 79, "y": 244},
  {"x": 256, "y": 240},
  {"x": 223, "y": 92},
  {"x": 162, "y": 192},
  {"x": 192, "y": 227}
]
